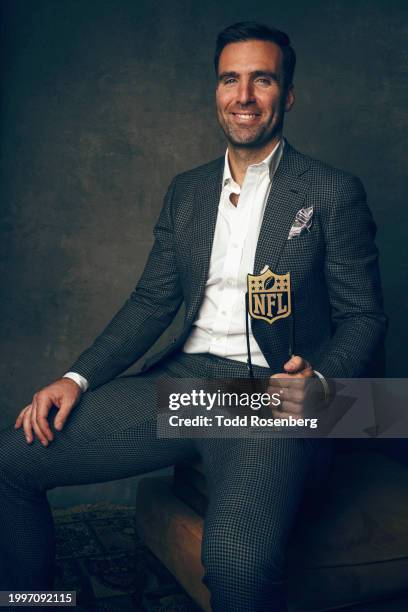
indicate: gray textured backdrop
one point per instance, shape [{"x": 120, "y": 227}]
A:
[{"x": 104, "y": 101}]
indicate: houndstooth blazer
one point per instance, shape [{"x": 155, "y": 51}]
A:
[{"x": 339, "y": 319}]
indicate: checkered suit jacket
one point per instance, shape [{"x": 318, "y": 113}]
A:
[{"x": 339, "y": 320}]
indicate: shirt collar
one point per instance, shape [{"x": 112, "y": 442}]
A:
[{"x": 271, "y": 162}]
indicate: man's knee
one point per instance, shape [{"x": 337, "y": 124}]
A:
[{"x": 18, "y": 466}]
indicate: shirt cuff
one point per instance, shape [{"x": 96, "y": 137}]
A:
[
  {"x": 82, "y": 383},
  {"x": 325, "y": 385}
]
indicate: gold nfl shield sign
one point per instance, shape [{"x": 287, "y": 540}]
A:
[{"x": 269, "y": 296}]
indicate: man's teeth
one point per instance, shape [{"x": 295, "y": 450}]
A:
[{"x": 246, "y": 116}]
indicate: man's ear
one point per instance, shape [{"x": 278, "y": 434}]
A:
[{"x": 290, "y": 98}]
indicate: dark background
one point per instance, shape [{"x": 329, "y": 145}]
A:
[{"x": 104, "y": 101}]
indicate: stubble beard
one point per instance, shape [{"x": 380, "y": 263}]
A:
[
  {"x": 250, "y": 138},
  {"x": 245, "y": 141}
]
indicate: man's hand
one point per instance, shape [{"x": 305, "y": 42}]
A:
[
  {"x": 64, "y": 394},
  {"x": 291, "y": 386}
]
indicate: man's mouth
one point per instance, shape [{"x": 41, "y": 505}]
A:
[{"x": 246, "y": 117}]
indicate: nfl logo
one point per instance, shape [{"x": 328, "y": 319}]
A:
[{"x": 269, "y": 296}]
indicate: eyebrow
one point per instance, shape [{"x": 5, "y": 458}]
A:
[{"x": 254, "y": 74}]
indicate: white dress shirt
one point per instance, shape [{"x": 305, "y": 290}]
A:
[{"x": 220, "y": 324}]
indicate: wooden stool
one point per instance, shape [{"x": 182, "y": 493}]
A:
[{"x": 347, "y": 547}]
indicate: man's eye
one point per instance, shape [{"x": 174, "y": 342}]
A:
[
  {"x": 263, "y": 81},
  {"x": 230, "y": 81}
]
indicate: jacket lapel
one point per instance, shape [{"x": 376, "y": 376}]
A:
[
  {"x": 285, "y": 199},
  {"x": 206, "y": 201}
]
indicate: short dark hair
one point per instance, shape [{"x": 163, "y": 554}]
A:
[{"x": 251, "y": 30}]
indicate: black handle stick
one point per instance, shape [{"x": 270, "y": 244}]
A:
[
  {"x": 249, "y": 360},
  {"x": 292, "y": 327}
]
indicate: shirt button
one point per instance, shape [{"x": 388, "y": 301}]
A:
[
  {"x": 235, "y": 245},
  {"x": 230, "y": 282},
  {"x": 223, "y": 312}
]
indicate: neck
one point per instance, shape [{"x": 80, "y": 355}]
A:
[{"x": 240, "y": 158}]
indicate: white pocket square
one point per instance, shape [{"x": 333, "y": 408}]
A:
[{"x": 303, "y": 221}]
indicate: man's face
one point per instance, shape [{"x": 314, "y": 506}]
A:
[{"x": 251, "y": 99}]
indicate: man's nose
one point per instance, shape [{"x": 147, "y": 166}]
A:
[{"x": 245, "y": 93}]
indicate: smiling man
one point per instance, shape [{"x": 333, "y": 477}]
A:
[
  {"x": 252, "y": 96},
  {"x": 262, "y": 204}
]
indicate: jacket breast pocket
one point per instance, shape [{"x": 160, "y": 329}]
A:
[{"x": 303, "y": 255}]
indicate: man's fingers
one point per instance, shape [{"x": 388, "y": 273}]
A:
[
  {"x": 41, "y": 406},
  {"x": 293, "y": 394},
  {"x": 296, "y": 364},
  {"x": 42, "y": 410},
  {"x": 62, "y": 416},
  {"x": 290, "y": 380},
  {"x": 19, "y": 419},
  {"x": 34, "y": 424},
  {"x": 290, "y": 408},
  {"x": 28, "y": 432},
  {"x": 64, "y": 410},
  {"x": 291, "y": 383},
  {"x": 286, "y": 415},
  {"x": 280, "y": 376},
  {"x": 44, "y": 427},
  {"x": 293, "y": 387},
  {"x": 64, "y": 394}
]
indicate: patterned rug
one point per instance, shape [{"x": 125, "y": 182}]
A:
[{"x": 101, "y": 558}]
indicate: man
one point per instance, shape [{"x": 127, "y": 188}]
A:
[{"x": 263, "y": 204}]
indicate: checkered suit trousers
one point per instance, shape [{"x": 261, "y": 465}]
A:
[{"x": 255, "y": 485}]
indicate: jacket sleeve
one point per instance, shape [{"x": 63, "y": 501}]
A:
[
  {"x": 354, "y": 286},
  {"x": 145, "y": 315}
]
